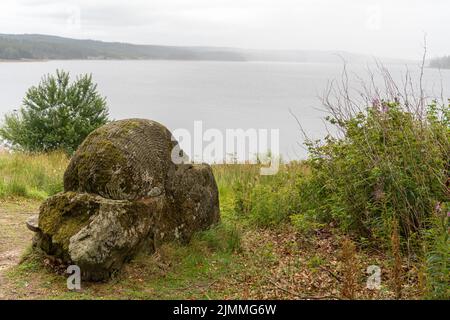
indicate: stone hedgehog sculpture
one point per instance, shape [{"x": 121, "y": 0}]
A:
[{"x": 122, "y": 194}]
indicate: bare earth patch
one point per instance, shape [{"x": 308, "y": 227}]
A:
[
  {"x": 282, "y": 264},
  {"x": 14, "y": 235}
]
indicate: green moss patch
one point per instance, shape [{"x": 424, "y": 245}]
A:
[{"x": 64, "y": 214}]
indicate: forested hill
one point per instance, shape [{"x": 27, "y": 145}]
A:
[
  {"x": 18, "y": 47},
  {"x": 45, "y": 47},
  {"x": 441, "y": 63}
]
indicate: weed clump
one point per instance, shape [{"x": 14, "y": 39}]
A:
[{"x": 350, "y": 269}]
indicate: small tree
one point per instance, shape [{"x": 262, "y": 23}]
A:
[{"x": 56, "y": 114}]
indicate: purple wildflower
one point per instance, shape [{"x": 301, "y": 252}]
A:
[{"x": 438, "y": 207}]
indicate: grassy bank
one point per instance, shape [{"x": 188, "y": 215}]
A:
[
  {"x": 225, "y": 262},
  {"x": 260, "y": 230},
  {"x": 34, "y": 176}
]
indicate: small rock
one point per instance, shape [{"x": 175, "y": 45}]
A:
[
  {"x": 155, "y": 192},
  {"x": 33, "y": 223}
]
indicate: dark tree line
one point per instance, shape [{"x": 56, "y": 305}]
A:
[{"x": 441, "y": 63}]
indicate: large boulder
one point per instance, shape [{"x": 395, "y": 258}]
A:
[
  {"x": 122, "y": 194},
  {"x": 127, "y": 159}
]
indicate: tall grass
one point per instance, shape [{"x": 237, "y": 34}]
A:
[
  {"x": 35, "y": 176},
  {"x": 437, "y": 254},
  {"x": 227, "y": 175},
  {"x": 265, "y": 201}
]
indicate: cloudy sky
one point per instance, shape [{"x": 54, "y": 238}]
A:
[{"x": 377, "y": 27}]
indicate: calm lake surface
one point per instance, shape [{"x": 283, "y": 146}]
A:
[{"x": 224, "y": 95}]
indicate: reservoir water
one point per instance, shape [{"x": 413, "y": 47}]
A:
[{"x": 223, "y": 95}]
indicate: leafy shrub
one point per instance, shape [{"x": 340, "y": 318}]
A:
[
  {"x": 389, "y": 165},
  {"x": 56, "y": 115},
  {"x": 305, "y": 223}
]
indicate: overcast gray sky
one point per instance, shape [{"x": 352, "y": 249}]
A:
[{"x": 376, "y": 27}]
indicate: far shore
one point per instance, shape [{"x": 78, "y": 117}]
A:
[
  {"x": 24, "y": 60},
  {"x": 182, "y": 60}
]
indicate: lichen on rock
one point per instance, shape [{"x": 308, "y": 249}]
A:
[
  {"x": 124, "y": 159},
  {"x": 122, "y": 194}
]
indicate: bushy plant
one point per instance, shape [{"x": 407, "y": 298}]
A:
[
  {"x": 438, "y": 253},
  {"x": 271, "y": 204},
  {"x": 389, "y": 165},
  {"x": 56, "y": 114},
  {"x": 383, "y": 172}
]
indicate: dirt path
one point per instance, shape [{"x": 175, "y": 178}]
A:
[{"x": 14, "y": 235}]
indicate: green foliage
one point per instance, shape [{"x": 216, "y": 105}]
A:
[
  {"x": 271, "y": 204},
  {"x": 390, "y": 165},
  {"x": 315, "y": 262},
  {"x": 305, "y": 223},
  {"x": 35, "y": 176},
  {"x": 268, "y": 201},
  {"x": 438, "y": 254},
  {"x": 223, "y": 237},
  {"x": 56, "y": 114}
]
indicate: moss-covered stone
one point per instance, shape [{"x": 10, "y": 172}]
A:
[
  {"x": 195, "y": 201},
  {"x": 124, "y": 194},
  {"x": 113, "y": 236},
  {"x": 124, "y": 159},
  {"x": 64, "y": 214}
]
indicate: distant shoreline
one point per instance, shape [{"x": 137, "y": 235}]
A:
[
  {"x": 206, "y": 60},
  {"x": 24, "y": 60},
  {"x": 38, "y": 47}
]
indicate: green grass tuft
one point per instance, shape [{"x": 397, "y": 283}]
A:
[{"x": 34, "y": 176}]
